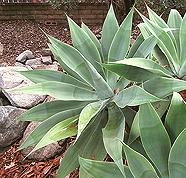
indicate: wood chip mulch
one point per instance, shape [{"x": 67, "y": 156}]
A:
[{"x": 13, "y": 165}]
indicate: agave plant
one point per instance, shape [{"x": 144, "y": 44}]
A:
[
  {"x": 91, "y": 102},
  {"x": 167, "y": 70},
  {"x": 164, "y": 147}
]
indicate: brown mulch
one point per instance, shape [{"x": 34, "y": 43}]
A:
[
  {"x": 20, "y": 35},
  {"x": 13, "y": 165}
]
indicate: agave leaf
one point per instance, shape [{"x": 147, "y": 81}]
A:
[
  {"x": 110, "y": 27},
  {"x": 83, "y": 173},
  {"x": 160, "y": 22},
  {"x": 103, "y": 169},
  {"x": 174, "y": 21},
  {"x": 164, "y": 86},
  {"x": 38, "y": 133},
  {"x": 137, "y": 69},
  {"x": 120, "y": 44},
  {"x": 135, "y": 46},
  {"x": 144, "y": 30},
  {"x": 177, "y": 161},
  {"x": 89, "y": 112},
  {"x": 160, "y": 56},
  {"x": 62, "y": 130},
  {"x": 146, "y": 47},
  {"x": 93, "y": 37},
  {"x": 160, "y": 107},
  {"x": 129, "y": 114},
  {"x": 157, "y": 147},
  {"x": 133, "y": 96},
  {"x": 70, "y": 72},
  {"x": 114, "y": 129},
  {"x": 138, "y": 164},
  {"x": 74, "y": 60},
  {"x": 58, "y": 90},
  {"x": 39, "y": 76},
  {"x": 134, "y": 131},
  {"x": 45, "y": 110},
  {"x": 182, "y": 45},
  {"x": 89, "y": 145},
  {"x": 175, "y": 120},
  {"x": 165, "y": 42},
  {"x": 83, "y": 43}
]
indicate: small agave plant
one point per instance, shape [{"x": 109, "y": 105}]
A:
[
  {"x": 91, "y": 102},
  {"x": 163, "y": 154},
  {"x": 166, "y": 72}
]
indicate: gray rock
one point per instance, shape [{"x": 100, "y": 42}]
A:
[
  {"x": 23, "y": 100},
  {"x": 41, "y": 154},
  {"x": 11, "y": 129},
  {"x": 31, "y": 62},
  {"x": 24, "y": 56},
  {"x": 10, "y": 79},
  {"x": 46, "y": 60},
  {"x": 18, "y": 64}
]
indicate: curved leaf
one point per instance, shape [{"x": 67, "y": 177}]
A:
[
  {"x": 138, "y": 164},
  {"x": 103, "y": 169},
  {"x": 137, "y": 69},
  {"x": 165, "y": 42},
  {"x": 133, "y": 96},
  {"x": 92, "y": 36},
  {"x": 58, "y": 90},
  {"x": 175, "y": 120},
  {"x": 114, "y": 129},
  {"x": 45, "y": 110},
  {"x": 62, "y": 130},
  {"x": 89, "y": 145},
  {"x": 88, "y": 112},
  {"x": 38, "y": 133},
  {"x": 120, "y": 44},
  {"x": 174, "y": 22},
  {"x": 154, "y": 138},
  {"x": 164, "y": 86},
  {"x": 182, "y": 45},
  {"x": 146, "y": 47},
  {"x": 177, "y": 161},
  {"x": 83, "y": 43},
  {"x": 110, "y": 27},
  {"x": 39, "y": 76},
  {"x": 135, "y": 46}
]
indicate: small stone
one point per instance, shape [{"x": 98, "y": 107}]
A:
[
  {"x": 18, "y": 64},
  {"x": 46, "y": 52},
  {"x": 32, "y": 62},
  {"x": 11, "y": 129},
  {"x": 1, "y": 49},
  {"x": 46, "y": 60},
  {"x": 24, "y": 56},
  {"x": 41, "y": 154}
]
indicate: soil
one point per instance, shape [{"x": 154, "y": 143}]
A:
[{"x": 20, "y": 35}]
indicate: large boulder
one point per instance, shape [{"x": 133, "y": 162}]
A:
[
  {"x": 10, "y": 79},
  {"x": 41, "y": 154},
  {"x": 24, "y": 56},
  {"x": 10, "y": 128}
]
